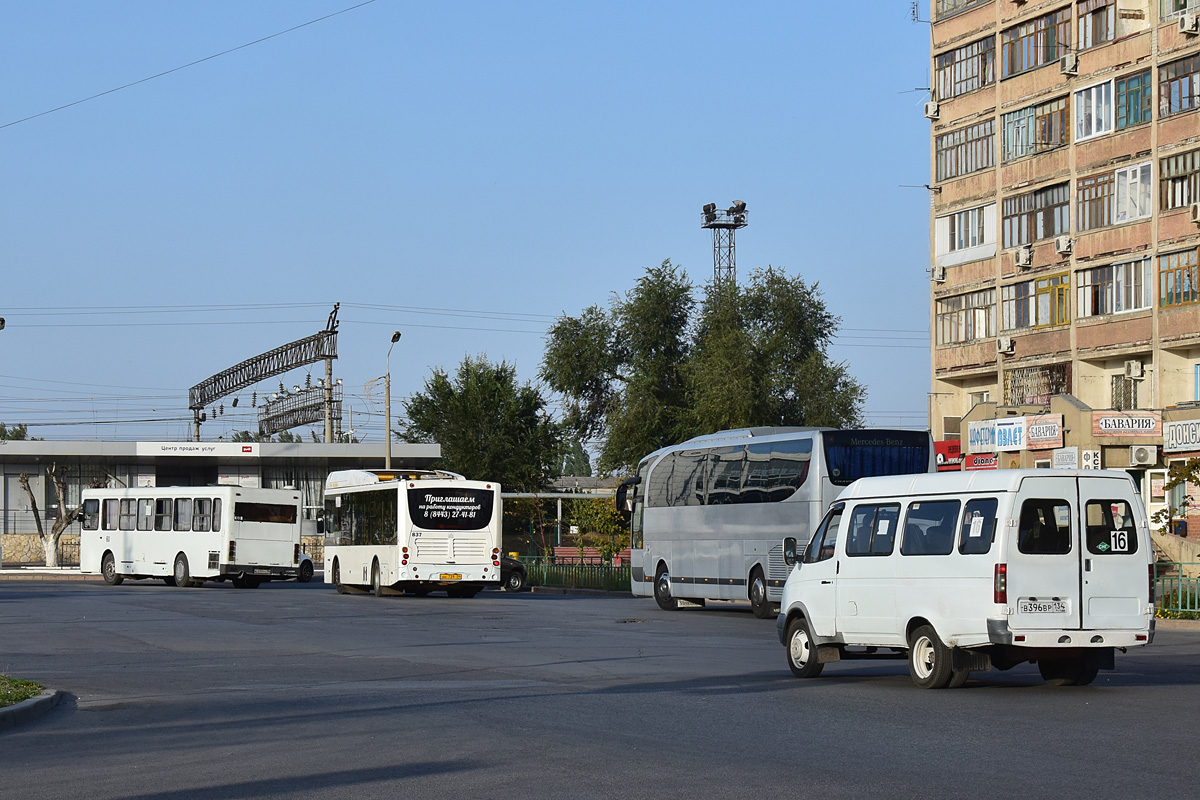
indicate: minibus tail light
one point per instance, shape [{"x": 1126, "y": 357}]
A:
[
  {"x": 1150, "y": 572},
  {"x": 1000, "y": 585}
]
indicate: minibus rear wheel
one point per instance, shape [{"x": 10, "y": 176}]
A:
[{"x": 929, "y": 661}]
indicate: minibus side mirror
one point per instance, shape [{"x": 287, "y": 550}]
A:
[{"x": 789, "y": 551}]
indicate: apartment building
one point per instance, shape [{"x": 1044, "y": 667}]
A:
[{"x": 1065, "y": 161}]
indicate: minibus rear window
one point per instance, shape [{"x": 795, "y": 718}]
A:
[
  {"x": 1110, "y": 528},
  {"x": 929, "y": 528},
  {"x": 978, "y": 526},
  {"x": 1045, "y": 527}
]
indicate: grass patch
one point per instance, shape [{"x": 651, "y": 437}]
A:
[{"x": 14, "y": 690}]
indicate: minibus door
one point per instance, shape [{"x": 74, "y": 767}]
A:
[
  {"x": 818, "y": 574},
  {"x": 1116, "y": 553},
  {"x": 1043, "y": 563}
]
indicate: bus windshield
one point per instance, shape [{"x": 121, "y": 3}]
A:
[{"x": 850, "y": 455}]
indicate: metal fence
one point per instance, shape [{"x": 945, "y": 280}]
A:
[
  {"x": 543, "y": 571},
  {"x": 1177, "y": 587}
]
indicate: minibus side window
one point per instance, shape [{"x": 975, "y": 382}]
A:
[
  {"x": 872, "y": 530},
  {"x": 929, "y": 528},
  {"x": 1110, "y": 528},
  {"x": 1045, "y": 527},
  {"x": 824, "y": 541},
  {"x": 978, "y": 526}
]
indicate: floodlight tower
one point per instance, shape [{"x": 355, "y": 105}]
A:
[{"x": 723, "y": 224}]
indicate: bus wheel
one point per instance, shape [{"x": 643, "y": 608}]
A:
[
  {"x": 305, "y": 573},
  {"x": 337, "y": 578},
  {"x": 929, "y": 660},
  {"x": 182, "y": 576},
  {"x": 376, "y": 580},
  {"x": 108, "y": 568},
  {"x": 758, "y": 594},
  {"x": 801, "y": 652},
  {"x": 662, "y": 590}
]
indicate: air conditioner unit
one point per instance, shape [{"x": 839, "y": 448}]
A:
[
  {"x": 1196, "y": 212},
  {"x": 1143, "y": 455},
  {"x": 1069, "y": 64},
  {"x": 1006, "y": 345},
  {"x": 1062, "y": 245},
  {"x": 931, "y": 109},
  {"x": 1189, "y": 24},
  {"x": 1133, "y": 369},
  {"x": 937, "y": 274},
  {"x": 1024, "y": 256}
]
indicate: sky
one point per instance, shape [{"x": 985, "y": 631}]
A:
[{"x": 463, "y": 172}]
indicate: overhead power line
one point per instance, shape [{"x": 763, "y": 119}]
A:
[{"x": 189, "y": 64}]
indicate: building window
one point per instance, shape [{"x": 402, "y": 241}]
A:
[
  {"x": 1093, "y": 111},
  {"x": 1036, "y": 385},
  {"x": 966, "y": 229},
  {"x": 1179, "y": 86},
  {"x": 1113, "y": 289},
  {"x": 1094, "y": 201},
  {"x": 1037, "y": 215},
  {"x": 1097, "y": 22},
  {"x": 1133, "y": 100},
  {"x": 1133, "y": 193},
  {"x": 966, "y": 150},
  {"x": 946, "y": 8},
  {"x": 966, "y": 317},
  {"x": 1173, "y": 8},
  {"x": 1124, "y": 393},
  {"x": 1040, "y": 303},
  {"x": 1034, "y": 129},
  {"x": 1036, "y": 42},
  {"x": 966, "y": 68},
  {"x": 1177, "y": 279},
  {"x": 1179, "y": 180}
]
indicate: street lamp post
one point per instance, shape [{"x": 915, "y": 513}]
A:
[{"x": 387, "y": 405}]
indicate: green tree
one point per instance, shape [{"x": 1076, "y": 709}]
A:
[
  {"x": 13, "y": 433},
  {"x": 490, "y": 427},
  {"x": 645, "y": 373},
  {"x": 576, "y": 461},
  {"x": 600, "y": 523},
  {"x": 620, "y": 370}
]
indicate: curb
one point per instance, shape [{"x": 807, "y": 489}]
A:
[
  {"x": 29, "y": 710},
  {"x": 1177, "y": 624},
  {"x": 585, "y": 592},
  {"x": 21, "y": 575}
]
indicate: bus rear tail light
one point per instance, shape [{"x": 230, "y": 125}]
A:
[
  {"x": 295, "y": 554},
  {"x": 403, "y": 556},
  {"x": 495, "y": 556},
  {"x": 232, "y": 550},
  {"x": 1000, "y": 584}
]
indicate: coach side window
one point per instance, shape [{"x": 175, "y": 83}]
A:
[
  {"x": 183, "y": 514},
  {"x": 202, "y": 514},
  {"x": 110, "y": 515},
  {"x": 128, "y": 514},
  {"x": 978, "y": 526},
  {"x": 145, "y": 515},
  {"x": 824, "y": 541},
  {"x": 162, "y": 514},
  {"x": 1045, "y": 527}
]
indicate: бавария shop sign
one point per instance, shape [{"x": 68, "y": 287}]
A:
[
  {"x": 1182, "y": 436},
  {"x": 1127, "y": 423}
]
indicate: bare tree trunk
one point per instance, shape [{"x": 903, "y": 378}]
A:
[{"x": 62, "y": 521}]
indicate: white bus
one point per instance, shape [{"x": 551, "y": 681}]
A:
[
  {"x": 707, "y": 516},
  {"x": 411, "y": 531},
  {"x": 190, "y": 534}
]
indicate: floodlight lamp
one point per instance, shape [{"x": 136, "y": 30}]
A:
[
  {"x": 709, "y": 208},
  {"x": 234, "y": 403},
  {"x": 739, "y": 206},
  {"x": 338, "y": 382},
  {"x": 296, "y": 388}
]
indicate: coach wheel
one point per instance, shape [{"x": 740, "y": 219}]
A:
[
  {"x": 662, "y": 590},
  {"x": 376, "y": 580},
  {"x": 758, "y": 594},
  {"x": 337, "y": 578},
  {"x": 108, "y": 568},
  {"x": 182, "y": 576}
]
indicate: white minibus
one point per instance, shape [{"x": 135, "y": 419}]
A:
[
  {"x": 967, "y": 571},
  {"x": 186, "y": 535},
  {"x": 412, "y": 531}
]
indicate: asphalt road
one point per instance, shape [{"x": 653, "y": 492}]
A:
[{"x": 292, "y": 690}]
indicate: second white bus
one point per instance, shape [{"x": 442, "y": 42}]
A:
[
  {"x": 707, "y": 516},
  {"x": 187, "y": 535},
  {"x": 411, "y": 531}
]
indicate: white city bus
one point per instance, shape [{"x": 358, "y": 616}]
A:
[
  {"x": 708, "y": 515},
  {"x": 411, "y": 531},
  {"x": 190, "y": 534}
]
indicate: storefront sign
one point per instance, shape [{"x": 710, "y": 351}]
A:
[
  {"x": 1010, "y": 434},
  {"x": 980, "y": 461},
  {"x": 1182, "y": 436},
  {"x": 1089, "y": 459},
  {"x": 1066, "y": 458},
  {"x": 1044, "y": 432},
  {"x": 220, "y": 449},
  {"x": 1127, "y": 423},
  {"x": 981, "y": 436},
  {"x": 949, "y": 455}
]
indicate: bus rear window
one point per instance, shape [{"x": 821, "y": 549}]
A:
[
  {"x": 850, "y": 455},
  {"x": 442, "y": 509},
  {"x": 264, "y": 512}
]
